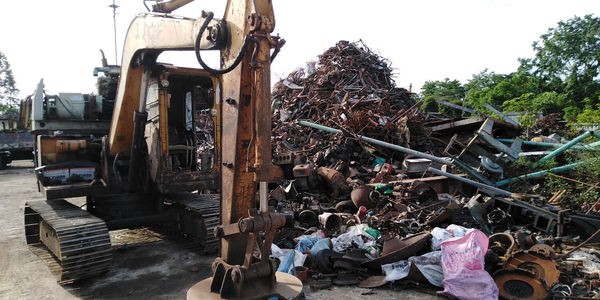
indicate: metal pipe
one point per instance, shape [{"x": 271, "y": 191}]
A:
[
  {"x": 114, "y": 8},
  {"x": 441, "y": 160},
  {"x": 581, "y": 245},
  {"x": 456, "y": 106},
  {"x": 144, "y": 88},
  {"x": 594, "y": 144},
  {"x": 554, "y": 145},
  {"x": 564, "y": 147},
  {"x": 541, "y": 173},
  {"x": 140, "y": 117},
  {"x": 488, "y": 189}
]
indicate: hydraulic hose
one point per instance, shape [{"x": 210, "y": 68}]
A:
[{"x": 236, "y": 62}]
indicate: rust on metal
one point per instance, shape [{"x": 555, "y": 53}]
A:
[
  {"x": 412, "y": 246},
  {"x": 519, "y": 284},
  {"x": 360, "y": 196}
]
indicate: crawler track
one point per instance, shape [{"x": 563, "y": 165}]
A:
[
  {"x": 73, "y": 243},
  {"x": 204, "y": 208}
]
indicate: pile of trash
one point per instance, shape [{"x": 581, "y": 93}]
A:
[{"x": 382, "y": 193}]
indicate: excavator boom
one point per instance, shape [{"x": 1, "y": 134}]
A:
[{"x": 148, "y": 35}]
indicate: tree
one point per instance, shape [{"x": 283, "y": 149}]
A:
[
  {"x": 485, "y": 79},
  {"x": 567, "y": 59},
  {"x": 501, "y": 88},
  {"x": 447, "y": 90},
  {"x": 477, "y": 90},
  {"x": 8, "y": 102},
  {"x": 563, "y": 76},
  {"x": 529, "y": 104}
]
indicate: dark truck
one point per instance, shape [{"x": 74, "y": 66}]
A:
[{"x": 14, "y": 143}]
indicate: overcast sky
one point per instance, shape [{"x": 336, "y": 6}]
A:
[{"x": 425, "y": 40}]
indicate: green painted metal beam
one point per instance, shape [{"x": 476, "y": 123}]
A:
[
  {"x": 542, "y": 173},
  {"x": 564, "y": 147}
]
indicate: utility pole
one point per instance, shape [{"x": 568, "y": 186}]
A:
[{"x": 114, "y": 7}]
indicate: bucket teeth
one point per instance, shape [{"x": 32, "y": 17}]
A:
[{"x": 72, "y": 242}]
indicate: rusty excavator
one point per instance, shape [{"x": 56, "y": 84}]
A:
[{"x": 184, "y": 146}]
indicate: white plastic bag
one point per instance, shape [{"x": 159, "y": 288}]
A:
[
  {"x": 429, "y": 264},
  {"x": 591, "y": 263},
  {"x": 438, "y": 235},
  {"x": 356, "y": 235}
]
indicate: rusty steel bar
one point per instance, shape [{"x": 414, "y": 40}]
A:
[
  {"x": 404, "y": 113},
  {"x": 574, "y": 180},
  {"x": 261, "y": 95},
  {"x": 582, "y": 244}
]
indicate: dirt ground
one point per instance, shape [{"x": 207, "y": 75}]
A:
[{"x": 147, "y": 264}]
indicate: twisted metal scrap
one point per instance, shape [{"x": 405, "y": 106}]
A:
[{"x": 351, "y": 89}]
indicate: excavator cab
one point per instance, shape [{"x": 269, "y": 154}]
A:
[{"x": 182, "y": 130}]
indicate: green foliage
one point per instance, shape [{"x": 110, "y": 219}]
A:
[
  {"x": 529, "y": 104},
  {"x": 8, "y": 102},
  {"x": 555, "y": 184},
  {"x": 588, "y": 172},
  {"x": 444, "y": 90},
  {"x": 523, "y": 165},
  {"x": 479, "y": 89},
  {"x": 570, "y": 49},
  {"x": 567, "y": 59},
  {"x": 571, "y": 113},
  {"x": 562, "y": 77},
  {"x": 502, "y": 88},
  {"x": 447, "y": 90},
  {"x": 589, "y": 114}
]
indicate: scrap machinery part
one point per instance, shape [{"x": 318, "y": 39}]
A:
[
  {"x": 545, "y": 250},
  {"x": 73, "y": 243},
  {"x": 519, "y": 284},
  {"x": 502, "y": 244},
  {"x": 542, "y": 267},
  {"x": 528, "y": 274}
]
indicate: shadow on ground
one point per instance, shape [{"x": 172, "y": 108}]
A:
[{"x": 163, "y": 269}]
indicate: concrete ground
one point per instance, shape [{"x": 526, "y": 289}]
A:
[{"x": 147, "y": 264}]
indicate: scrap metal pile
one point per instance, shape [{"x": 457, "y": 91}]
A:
[
  {"x": 351, "y": 89},
  {"x": 379, "y": 193}
]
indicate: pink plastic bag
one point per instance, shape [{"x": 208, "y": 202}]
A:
[{"x": 462, "y": 264}]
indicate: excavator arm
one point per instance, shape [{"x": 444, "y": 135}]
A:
[{"x": 148, "y": 35}]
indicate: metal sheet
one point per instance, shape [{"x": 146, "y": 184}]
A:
[{"x": 413, "y": 245}]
